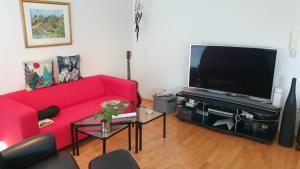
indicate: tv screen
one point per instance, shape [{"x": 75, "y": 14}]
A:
[{"x": 240, "y": 70}]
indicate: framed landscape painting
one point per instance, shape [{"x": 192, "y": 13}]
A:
[{"x": 46, "y": 23}]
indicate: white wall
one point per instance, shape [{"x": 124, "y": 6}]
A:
[
  {"x": 102, "y": 32},
  {"x": 161, "y": 55}
]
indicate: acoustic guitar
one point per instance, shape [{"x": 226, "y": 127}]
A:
[{"x": 128, "y": 58}]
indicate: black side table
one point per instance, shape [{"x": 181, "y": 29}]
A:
[{"x": 145, "y": 118}]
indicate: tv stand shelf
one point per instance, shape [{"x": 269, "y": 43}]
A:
[{"x": 243, "y": 117}]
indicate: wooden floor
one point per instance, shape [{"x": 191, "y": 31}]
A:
[{"x": 189, "y": 146}]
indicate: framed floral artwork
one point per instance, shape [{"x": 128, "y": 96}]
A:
[{"x": 46, "y": 23}]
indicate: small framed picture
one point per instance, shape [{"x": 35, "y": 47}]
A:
[{"x": 46, "y": 23}]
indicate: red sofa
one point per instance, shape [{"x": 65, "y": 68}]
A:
[{"x": 79, "y": 99}]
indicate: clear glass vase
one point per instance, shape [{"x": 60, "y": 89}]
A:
[{"x": 106, "y": 126}]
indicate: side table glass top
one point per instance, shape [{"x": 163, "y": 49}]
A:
[{"x": 144, "y": 117}]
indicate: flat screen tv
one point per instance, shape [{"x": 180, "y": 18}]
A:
[{"x": 236, "y": 70}]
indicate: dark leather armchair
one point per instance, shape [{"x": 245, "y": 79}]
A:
[
  {"x": 38, "y": 152},
  {"x": 119, "y": 159}
]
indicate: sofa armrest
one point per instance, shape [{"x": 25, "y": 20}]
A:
[
  {"x": 29, "y": 152},
  {"x": 120, "y": 87},
  {"x": 17, "y": 121}
]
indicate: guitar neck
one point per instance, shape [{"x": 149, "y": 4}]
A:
[
  {"x": 128, "y": 70},
  {"x": 128, "y": 57}
]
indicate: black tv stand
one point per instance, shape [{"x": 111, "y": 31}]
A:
[{"x": 230, "y": 114}]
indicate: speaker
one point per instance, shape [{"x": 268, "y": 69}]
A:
[{"x": 287, "y": 128}]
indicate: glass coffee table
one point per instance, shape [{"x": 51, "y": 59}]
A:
[{"x": 92, "y": 127}]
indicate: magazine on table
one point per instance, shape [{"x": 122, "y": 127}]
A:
[{"x": 125, "y": 115}]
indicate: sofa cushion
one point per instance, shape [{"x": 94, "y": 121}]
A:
[
  {"x": 62, "y": 123},
  {"x": 38, "y": 74},
  {"x": 62, "y": 95},
  {"x": 63, "y": 160},
  {"x": 69, "y": 68},
  {"x": 48, "y": 112}
]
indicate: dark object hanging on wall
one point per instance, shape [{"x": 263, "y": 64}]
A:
[
  {"x": 287, "y": 128},
  {"x": 138, "y": 18}
]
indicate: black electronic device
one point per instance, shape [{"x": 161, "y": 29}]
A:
[
  {"x": 235, "y": 70},
  {"x": 229, "y": 114}
]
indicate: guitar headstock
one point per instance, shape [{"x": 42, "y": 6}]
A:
[{"x": 128, "y": 55}]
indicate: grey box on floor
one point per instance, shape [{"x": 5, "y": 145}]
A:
[{"x": 165, "y": 104}]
